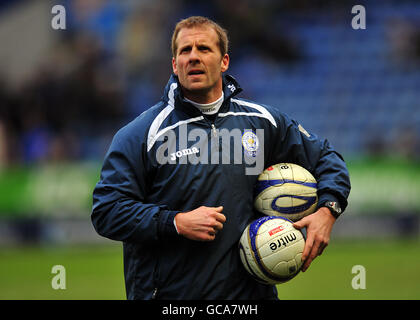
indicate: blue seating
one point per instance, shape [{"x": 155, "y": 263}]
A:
[{"x": 348, "y": 84}]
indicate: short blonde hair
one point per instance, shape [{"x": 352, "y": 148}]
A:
[{"x": 195, "y": 21}]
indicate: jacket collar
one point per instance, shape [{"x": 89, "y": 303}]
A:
[{"x": 174, "y": 97}]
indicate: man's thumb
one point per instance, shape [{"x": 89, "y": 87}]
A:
[{"x": 299, "y": 224}]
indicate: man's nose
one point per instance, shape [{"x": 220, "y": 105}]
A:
[{"x": 194, "y": 55}]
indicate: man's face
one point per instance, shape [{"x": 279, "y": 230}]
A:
[{"x": 199, "y": 64}]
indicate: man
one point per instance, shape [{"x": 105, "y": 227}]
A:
[{"x": 177, "y": 192}]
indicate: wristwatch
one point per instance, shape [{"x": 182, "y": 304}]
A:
[{"x": 334, "y": 207}]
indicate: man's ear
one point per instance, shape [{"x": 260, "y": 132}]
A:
[
  {"x": 225, "y": 62},
  {"x": 174, "y": 66}
]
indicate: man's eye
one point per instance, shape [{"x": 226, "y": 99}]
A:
[{"x": 184, "y": 50}]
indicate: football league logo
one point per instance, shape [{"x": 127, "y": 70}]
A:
[{"x": 250, "y": 143}]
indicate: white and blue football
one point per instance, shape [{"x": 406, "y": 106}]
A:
[
  {"x": 286, "y": 190},
  {"x": 271, "y": 250}
]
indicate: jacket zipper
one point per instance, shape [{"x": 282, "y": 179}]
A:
[
  {"x": 214, "y": 131},
  {"x": 156, "y": 278}
]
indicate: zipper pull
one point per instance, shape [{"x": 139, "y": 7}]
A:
[
  {"x": 214, "y": 130},
  {"x": 154, "y": 293}
]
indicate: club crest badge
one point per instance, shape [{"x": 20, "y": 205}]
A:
[{"x": 250, "y": 143}]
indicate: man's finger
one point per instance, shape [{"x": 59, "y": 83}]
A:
[
  {"x": 210, "y": 237},
  {"x": 218, "y": 226},
  {"x": 220, "y": 217},
  {"x": 306, "y": 264},
  {"x": 312, "y": 255},
  {"x": 308, "y": 247},
  {"x": 322, "y": 248},
  {"x": 309, "y": 257}
]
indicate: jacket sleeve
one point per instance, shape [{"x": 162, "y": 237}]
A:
[
  {"x": 119, "y": 210},
  {"x": 327, "y": 166}
]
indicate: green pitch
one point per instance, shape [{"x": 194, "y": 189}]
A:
[
  {"x": 96, "y": 272},
  {"x": 91, "y": 272},
  {"x": 391, "y": 272}
]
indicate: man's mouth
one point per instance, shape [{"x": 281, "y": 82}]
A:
[{"x": 195, "y": 72}]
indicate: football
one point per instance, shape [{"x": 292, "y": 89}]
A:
[
  {"x": 286, "y": 190},
  {"x": 271, "y": 250}
]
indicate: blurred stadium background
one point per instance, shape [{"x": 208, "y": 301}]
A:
[{"x": 64, "y": 93}]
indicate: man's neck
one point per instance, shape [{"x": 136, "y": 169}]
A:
[
  {"x": 208, "y": 108},
  {"x": 204, "y": 97}
]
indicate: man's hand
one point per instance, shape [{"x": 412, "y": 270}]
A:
[
  {"x": 200, "y": 224},
  {"x": 318, "y": 228}
]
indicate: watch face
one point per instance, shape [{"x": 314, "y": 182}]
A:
[{"x": 334, "y": 206}]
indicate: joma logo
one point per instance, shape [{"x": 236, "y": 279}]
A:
[{"x": 183, "y": 152}]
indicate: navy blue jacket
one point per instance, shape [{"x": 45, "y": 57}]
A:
[{"x": 161, "y": 164}]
